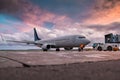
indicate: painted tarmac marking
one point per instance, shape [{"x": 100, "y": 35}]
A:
[
  {"x": 96, "y": 55},
  {"x": 62, "y": 55},
  {"x": 3, "y": 60},
  {"x": 76, "y": 55},
  {"x": 24, "y": 64}
]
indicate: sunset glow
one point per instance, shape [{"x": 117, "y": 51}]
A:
[{"x": 92, "y": 18}]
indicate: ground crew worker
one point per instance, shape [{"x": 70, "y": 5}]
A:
[
  {"x": 81, "y": 47},
  {"x": 116, "y": 48}
]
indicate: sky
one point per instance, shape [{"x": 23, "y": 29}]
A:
[{"x": 54, "y": 18}]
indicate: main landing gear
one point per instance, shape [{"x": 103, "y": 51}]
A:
[
  {"x": 45, "y": 49},
  {"x": 57, "y": 49},
  {"x": 80, "y": 49}
]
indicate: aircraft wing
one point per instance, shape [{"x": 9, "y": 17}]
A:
[{"x": 27, "y": 42}]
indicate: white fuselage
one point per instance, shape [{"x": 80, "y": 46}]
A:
[{"x": 66, "y": 41}]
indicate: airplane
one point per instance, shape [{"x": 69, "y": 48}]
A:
[{"x": 66, "y": 42}]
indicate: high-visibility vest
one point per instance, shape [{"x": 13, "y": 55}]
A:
[{"x": 82, "y": 46}]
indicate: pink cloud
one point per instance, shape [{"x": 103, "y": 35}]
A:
[
  {"x": 34, "y": 16},
  {"x": 105, "y": 12}
]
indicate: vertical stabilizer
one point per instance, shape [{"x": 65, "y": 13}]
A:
[{"x": 36, "y": 38}]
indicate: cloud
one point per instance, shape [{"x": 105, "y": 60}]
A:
[
  {"x": 83, "y": 11},
  {"x": 12, "y": 6},
  {"x": 109, "y": 28},
  {"x": 36, "y": 17},
  {"x": 54, "y": 18},
  {"x": 106, "y": 4},
  {"x": 46, "y": 33},
  {"x": 75, "y": 9},
  {"x": 105, "y": 12}
]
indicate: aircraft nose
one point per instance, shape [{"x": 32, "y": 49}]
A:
[{"x": 87, "y": 41}]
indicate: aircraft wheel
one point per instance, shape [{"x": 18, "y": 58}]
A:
[
  {"x": 44, "y": 49},
  {"x": 57, "y": 49},
  {"x": 99, "y": 48},
  {"x": 109, "y": 48},
  {"x": 79, "y": 49}
]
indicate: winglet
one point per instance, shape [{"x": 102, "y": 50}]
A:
[
  {"x": 2, "y": 38},
  {"x": 36, "y": 35}
]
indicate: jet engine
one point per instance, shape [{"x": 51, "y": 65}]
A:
[
  {"x": 45, "y": 47},
  {"x": 68, "y": 48}
]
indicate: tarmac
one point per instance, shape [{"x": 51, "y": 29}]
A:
[
  {"x": 63, "y": 65},
  {"x": 37, "y": 58}
]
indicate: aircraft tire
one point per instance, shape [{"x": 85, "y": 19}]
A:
[
  {"x": 79, "y": 49},
  {"x": 45, "y": 50},
  {"x": 57, "y": 49}
]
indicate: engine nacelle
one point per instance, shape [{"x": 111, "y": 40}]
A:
[
  {"x": 46, "y": 46},
  {"x": 68, "y": 48}
]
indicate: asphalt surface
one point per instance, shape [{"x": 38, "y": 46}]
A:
[
  {"x": 35, "y": 58},
  {"x": 63, "y": 65}
]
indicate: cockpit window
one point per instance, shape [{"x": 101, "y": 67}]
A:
[{"x": 81, "y": 37}]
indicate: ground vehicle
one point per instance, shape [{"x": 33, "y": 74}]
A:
[
  {"x": 106, "y": 46},
  {"x": 111, "y": 43}
]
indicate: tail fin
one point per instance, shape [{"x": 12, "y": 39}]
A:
[{"x": 36, "y": 35}]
